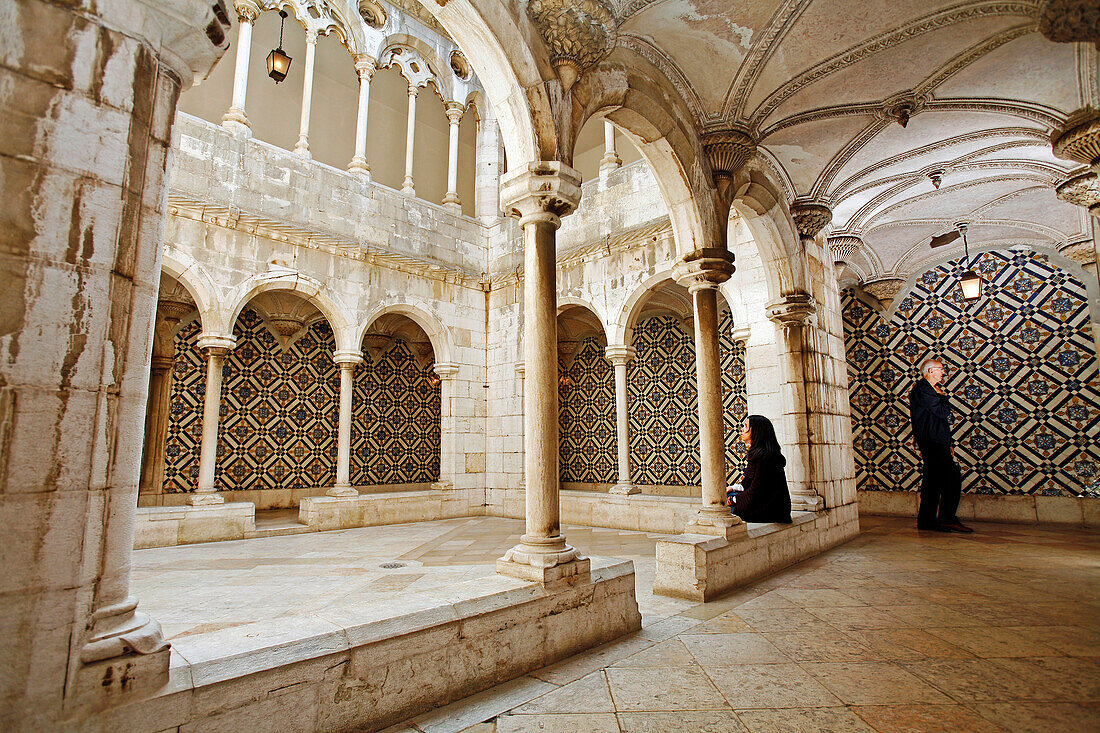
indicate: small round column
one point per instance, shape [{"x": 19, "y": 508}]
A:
[
  {"x": 610, "y": 160},
  {"x": 454, "y": 116},
  {"x": 235, "y": 118},
  {"x": 620, "y": 356},
  {"x": 302, "y": 146},
  {"x": 364, "y": 68},
  {"x": 216, "y": 348},
  {"x": 410, "y": 136},
  {"x": 346, "y": 361}
]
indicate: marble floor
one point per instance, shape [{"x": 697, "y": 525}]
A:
[{"x": 894, "y": 631}]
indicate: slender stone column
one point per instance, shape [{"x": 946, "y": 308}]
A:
[
  {"x": 346, "y": 361},
  {"x": 302, "y": 146},
  {"x": 610, "y": 160},
  {"x": 450, "y": 464},
  {"x": 454, "y": 116},
  {"x": 364, "y": 67},
  {"x": 702, "y": 272},
  {"x": 235, "y": 118},
  {"x": 410, "y": 136},
  {"x": 1084, "y": 190},
  {"x": 539, "y": 194},
  {"x": 169, "y": 312},
  {"x": 216, "y": 348},
  {"x": 488, "y": 167},
  {"x": 620, "y": 356}
]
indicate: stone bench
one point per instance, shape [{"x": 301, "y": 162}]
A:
[{"x": 164, "y": 526}]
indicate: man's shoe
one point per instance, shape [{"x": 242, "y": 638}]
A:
[
  {"x": 956, "y": 527},
  {"x": 932, "y": 528}
]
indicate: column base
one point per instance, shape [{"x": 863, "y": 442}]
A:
[
  {"x": 236, "y": 121},
  {"x": 807, "y": 502},
  {"x": 610, "y": 163},
  {"x": 205, "y": 498},
  {"x": 112, "y": 682},
  {"x": 716, "y": 522},
  {"x": 343, "y": 492},
  {"x": 454, "y": 208},
  {"x": 301, "y": 148},
  {"x": 359, "y": 167},
  {"x": 624, "y": 489},
  {"x": 119, "y": 630},
  {"x": 544, "y": 560},
  {"x": 407, "y": 186}
]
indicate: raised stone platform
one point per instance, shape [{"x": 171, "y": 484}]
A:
[
  {"x": 1072, "y": 510},
  {"x": 164, "y": 526},
  {"x": 371, "y": 510},
  {"x": 700, "y": 567},
  {"x": 638, "y": 512},
  {"x": 366, "y": 668}
]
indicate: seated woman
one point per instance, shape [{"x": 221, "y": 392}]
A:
[{"x": 764, "y": 497}]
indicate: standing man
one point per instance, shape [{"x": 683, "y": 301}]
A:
[{"x": 941, "y": 483}]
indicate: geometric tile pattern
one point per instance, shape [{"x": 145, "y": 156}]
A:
[
  {"x": 395, "y": 429},
  {"x": 279, "y": 412},
  {"x": 1020, "y": 369},
  {"x": 586, "y": 417}
]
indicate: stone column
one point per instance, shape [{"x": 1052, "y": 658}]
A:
[
  {"x": 86, "y": 147},
  {"x": 539, "y": 194},
  {"x": 410, "y": 135},
  {"x": 216, "y": 348},
  {"x": 235, "y": 118},
  {"x": 364, "y": 67},
  {"x": 620, "y": 356},
  {"x": 346, "y": 361},
  {"x": 156, "y": 424},
  {"x": 302, "y": 146},
  {"x": 702, "y": 272},
  {"x": 450, "y": 460},
  {"x": 1084, "y": 190},
  {"x": 610, "y": 160},
  {"x": 454, "y": 116},
  {"x": 792, "y": 315},
  {"x": 487, "y": 169}
]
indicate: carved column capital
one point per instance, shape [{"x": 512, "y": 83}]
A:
[
  {"x": 216, "y": 344},
  {"x": 843, "y": 246},
  {"x": 1079, "y": 138},
  {"x": 884, "y": 290},
  {"x": 727, "y": 151},
  {"x": 620, "y": 354},
  {"x": 810, "y": 217},
  {"x": 365, "y": 66},
  {"x": 704, "y": 268},
  {"x": 1081, "y": 190},
  {"x": 795, "y": 309},
  {"x": 1070, "y": 21},
  {"x": 578, "y": 34},
  {"x": 454, "y": 112},
  {"x": 445, "y": 370},
  {"x": 347, "y": 359},
  {"x": 247, "y": 10},
  {"x": 545, "y": 190}
]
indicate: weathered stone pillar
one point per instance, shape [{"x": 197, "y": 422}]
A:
[
  {"x": 450, "y": 458},
  {"x": 302, "y": 146},
  {"x": 87, "y": 118},
  {"x": 610, "y": 160},
  {"x": 364, "y": 67},
  {"x": 454, "y": 117},
  {"x": 488, "y": 167},
  {"x": 346, "y": 361},
  {"x": 620, "y": 356},
  {"x": 169, "y": 313},
  {"x": 235, "y": 118},
  {"x": 539, "y": 194},
  {"x": 216, "y": 348},
  {"x": 410, "y": 135},
  {"x": 1084, "y": 190},
  {"x": 702, "y": 272}
]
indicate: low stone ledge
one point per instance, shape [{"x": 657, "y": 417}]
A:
[
  {"x": 165, "y": 526},
  {"x": 1016, "y": 509},
  {"x": 701, "y": 567},
  {"x": 367, "y": 668},
  {"x": 396, "y": 507}
]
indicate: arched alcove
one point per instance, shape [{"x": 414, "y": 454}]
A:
[{"x": 586, "y": 400}]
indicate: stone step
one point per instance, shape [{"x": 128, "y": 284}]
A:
[{"x": 279, "y": 531}]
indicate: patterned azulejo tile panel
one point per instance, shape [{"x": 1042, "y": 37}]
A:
[
  {"x": 279, "y": 414},
  {"x": 1021, "y": 371},
  {"x": 663, "y": 411}
]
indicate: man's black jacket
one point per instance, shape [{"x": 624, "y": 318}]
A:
[{"x": 930, "y": 414}]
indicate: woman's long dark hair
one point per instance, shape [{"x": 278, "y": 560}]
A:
[{"x": 764, "y": 445}]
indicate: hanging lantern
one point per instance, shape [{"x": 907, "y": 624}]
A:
[
  {"x": 971, "y": 282},
  {"x": 278, "y": 63}
]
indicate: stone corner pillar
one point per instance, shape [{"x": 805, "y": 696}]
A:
[
  {"x": 792, "y": 314},
  {"x": 702, "y": 272},
  {"x": 539, "y": 194},
  {"x": 449, "y": 464},
  {"x": 346, "y": 361},
  {"x": 620, "y": 356},
  {"x": 216, "y": 346}
]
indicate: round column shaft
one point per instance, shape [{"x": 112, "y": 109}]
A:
[
  {"x": 205, "y": 493},
  {"x": 302, "y": 146},
  {"x": 364, "y": 67},
  {"x": 347, "y": 363},
  {"x": 454, "y": 116},
  {"x": 620, "y": 356},
  {"x": 410, "y": 136},
  {"x": 235, "y": 118}
]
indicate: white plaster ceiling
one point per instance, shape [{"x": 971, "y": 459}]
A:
[{"x": 812, "y": 80}]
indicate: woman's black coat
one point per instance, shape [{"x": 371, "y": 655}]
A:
[{"x": 765, "y": 497}]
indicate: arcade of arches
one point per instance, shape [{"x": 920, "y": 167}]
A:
[{"x": 522, "y": 268}]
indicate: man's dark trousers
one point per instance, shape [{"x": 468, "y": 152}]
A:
[{"x": 940, "y": 488}]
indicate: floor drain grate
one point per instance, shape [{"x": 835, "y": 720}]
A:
[{"x": 391, "y": 565}]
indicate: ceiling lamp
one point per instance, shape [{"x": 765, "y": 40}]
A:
[
  {"x": 971, "y": 282},
  {"x": 278, "y": 63}
]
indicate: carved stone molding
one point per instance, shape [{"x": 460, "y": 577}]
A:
[
  {"x": 1079, "y": 138},
  {"x": 1082, "y": 190},
  {"x": 247, "y": 10},
  {"x": 1070, "y": 21},
  {"x": 884, "y": 290},
  {"x": 704, "y": 268},
  {"x": 579, "y": 34},
  {"x": 844, "y": 246},
  {"x": 728, "y": 151},
  {"x": 795, "y": 309},
  {"x": 810, "y": 217},
  {"x": 901, "y": 107},
  {"x": 1083, "y": 252},
  {"x": 546, "y": 189}
]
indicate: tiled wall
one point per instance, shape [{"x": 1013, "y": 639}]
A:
[
  {"x": 661, "y": 388},
  {"x": 1021, "y": 371},
  {"x": 279, "y": 412}
]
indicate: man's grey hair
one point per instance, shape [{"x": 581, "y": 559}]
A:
[{"x": 928, "y": 364}]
